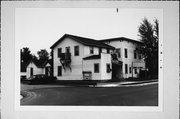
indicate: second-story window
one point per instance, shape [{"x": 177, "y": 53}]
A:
[
  {"x": 118, "y": 52},
  {"x": 96, "y": 68},
  {"x": 100, "y": 50},
  {"x": 76, "y": 50},
  {"x": 91, "y": 50},
  {"x": 108, "y": 50},
  {"x": 59, "y": 52},
  {"x": 135, "y": 54},
  {"x": 126, "y": 53},
  {"x": 67, "y": 49}
]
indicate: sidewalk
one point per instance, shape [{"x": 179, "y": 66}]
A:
[{"x": 127, "y": 83}]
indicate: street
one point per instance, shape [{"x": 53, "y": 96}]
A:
[{"x": 146, "y": 95}]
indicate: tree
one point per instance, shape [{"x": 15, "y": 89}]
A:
[
  {"x": 26, "y": 55},
  {"x": 149, "y": 35},
  {"x": 43, "y": 55}
]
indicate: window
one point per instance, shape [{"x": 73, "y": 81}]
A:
[
  {"x": 59, "y": 52},
  {"x": 118, "y": 52},
  {"x": 96, "y": 68},
  {"x": 108, "y": 68},
  {"x": 59, "y": 70},
  {"x": 135, "y": 71},
  {"x": 134, "y": 54},
  {"x": 126, "y": 53},
  {"x": 130, "y": 70},
  {"x": 67, "y": 49},
  {"x": 91, "y": 50},
  {"x": 100, "y": 50},
  {"x": 126, "y": 68},
  {"x": 108, "y": 51},
  {"x": 76, "y": 50}
]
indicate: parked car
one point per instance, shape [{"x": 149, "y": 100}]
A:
[{"x": 41, "y": 79}]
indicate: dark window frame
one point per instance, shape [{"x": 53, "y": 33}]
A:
[
  {"x": 59, "y": 70},
  {"x": 108, "y": 68},
  {"x": 135, "y": 71},
  {"x": 76, "y": 50},
  {"x": 118, "y": 52},
  {"x": 130, "y": 70},
  {"x": 126, "y": 53},
  {"x": 68, "y": 49},
  {"x": 100, "y": 50},
  {"x": 91, "y": 49},
  {"x": 59, "y": 52},
  {"x": 126, "y": 68},
  {"x": 108, "y": 50},
  {"x": 96, "y": 67},
  {"x": 135, "y": 54}
]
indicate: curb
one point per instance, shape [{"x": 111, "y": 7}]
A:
[
  {"x": 127, "y": 84},
  {"x": 27, "y": 95}
]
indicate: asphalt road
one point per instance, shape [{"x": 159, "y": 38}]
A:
[{"x": 94, "y": 96}]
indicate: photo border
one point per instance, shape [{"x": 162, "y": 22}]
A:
[{"x": 171, "y": 12}]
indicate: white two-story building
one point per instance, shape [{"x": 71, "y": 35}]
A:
[
  {"x": 127, "y": 53},
  {"x": 78, "y": 58}
]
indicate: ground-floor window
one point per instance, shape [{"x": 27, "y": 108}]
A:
[
  {"x": 135, "y": 71},
  {"x": 108, "y": 68},
  {"x": 96, "y": 68},
  {"x": 126, "y": 68},
  {"x": 59, "y": 70},
  {"x": 130, "y": 70}
]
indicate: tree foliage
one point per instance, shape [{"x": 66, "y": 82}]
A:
[
  {"x": 43, "y": 55},
  {"x": 149, "y": 35},
  {"x": 26, "y": 55}
]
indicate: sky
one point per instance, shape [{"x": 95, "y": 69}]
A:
[{"x": 40, "y": 28}]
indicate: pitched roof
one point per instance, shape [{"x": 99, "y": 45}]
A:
[
  {"x": 92, "y": 57},
  {"x": 41, "y": 64},
  {"x": 120, "y": 39},
  {"x": 85, "y": 41}
]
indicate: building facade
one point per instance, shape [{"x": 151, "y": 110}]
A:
[
  {"x": 126, "y": 51},
  {"x": 78, "y": 58}
]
